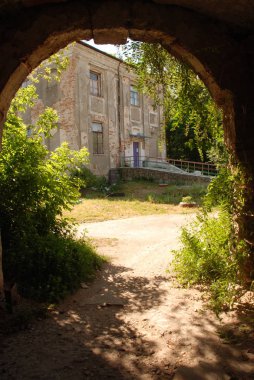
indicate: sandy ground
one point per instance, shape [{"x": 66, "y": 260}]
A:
[{"x": 132, "y": 322}]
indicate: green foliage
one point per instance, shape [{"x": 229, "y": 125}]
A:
[
  {"x": 221, "y": 191},
  {"x": 52, "y": 266},
  {"x": 181, "y": 144},
  {"x": 186, "y": 102},
  {"x": 40, "y": 253},
  {"x": 35, "y": 184},
  {"x": 207, "y": 258},
  {"x": 211, "y": 253},
  {"x": 187, "y": 199},
  {"x": 227, "y": 190},
  {"x": 52, "y": 68},
  {"x": 175, "y": 194},
  {"x": 89, "y": 179},
  {"x": 205, "y": 253}
]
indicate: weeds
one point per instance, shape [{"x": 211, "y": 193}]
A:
[
  {"x": 175, "y": 194},
  {"x": 206, "y": 258},
  {"x": 211, "y": 252}
]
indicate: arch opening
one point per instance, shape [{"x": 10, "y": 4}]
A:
[{"x": 214, "y": 50}]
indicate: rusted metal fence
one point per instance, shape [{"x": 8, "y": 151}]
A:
[
  {"x": 198, "y": 168},
  {"x": 205, "y": 168}
]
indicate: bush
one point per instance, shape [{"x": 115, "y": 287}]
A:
[
  {"x": 89, "y": 179},
  {"x": 40, "y": 253},
  {"x": 206, "y": 257},
  {"x": 53, "y": 266},
  {"x": 212, "y": 253}
]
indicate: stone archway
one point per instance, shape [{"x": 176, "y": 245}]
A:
[{"x": 217, "y": 44}]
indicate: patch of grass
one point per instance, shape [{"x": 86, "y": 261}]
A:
[
  {"x": 96, "y": 210},
  {"x": 174, "y": 194},
  {"x": 141, "y": 198}
]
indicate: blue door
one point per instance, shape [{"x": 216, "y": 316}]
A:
[{"x": 136, "y": 154}]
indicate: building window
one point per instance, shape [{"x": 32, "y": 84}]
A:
[
  {"x": 152, "y": 118},
  {"x": 95, "y": 83},
  {"x": 97, "y": 138},
  {"x": 134, "y": 96},
  {"x": 29, "y": 131}
]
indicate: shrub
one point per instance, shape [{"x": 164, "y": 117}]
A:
[
  {"x": 211, "y": 252},
  {"x": 204, "y": 254},
  {"x": 53, "y": 266},
  {"x": 206, "y": 257},
  {"x": 89, "y": 179},
  {"x": 40, "y": 252}
]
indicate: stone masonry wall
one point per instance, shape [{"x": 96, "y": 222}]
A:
[
  {"x": 157, "y": 175},
  {"x": 122, "y": 123}
]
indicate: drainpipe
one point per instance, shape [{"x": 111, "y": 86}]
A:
[
  {"x": 77, "y": 83},
  {"x": 159, "y": 120},
  {"x": 143, "y": 126},
  {"x": 119, "y": 114},
  {"x": 106, "y": 79}
]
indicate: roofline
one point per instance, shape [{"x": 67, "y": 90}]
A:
[{"x": 100, "y": 51}]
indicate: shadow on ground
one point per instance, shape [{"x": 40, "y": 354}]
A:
[{"x": 88, "y": 337}]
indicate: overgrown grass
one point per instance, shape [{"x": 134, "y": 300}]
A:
[
  {"x": 140, "y": 198},
  {"x": 174, "y": 194},
  {"x": 207, "y": 257},
  {"x": 212, "y": 253}
]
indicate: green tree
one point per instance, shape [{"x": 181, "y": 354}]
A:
[
  {"x": 179, "y": 145},
  {"x": 34, "y": 182},
  {"x": 186, "y": 102},
  {"x": 36, "y": 186}
]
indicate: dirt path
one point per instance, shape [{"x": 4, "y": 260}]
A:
[{"x": 132, "y": 322}]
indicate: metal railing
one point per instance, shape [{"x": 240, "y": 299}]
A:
[
  {"x": 198, "y": 168},
  {"x": 205, "y": 168}
]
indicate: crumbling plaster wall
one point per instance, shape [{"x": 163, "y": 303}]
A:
[
  {"x": 78, "y": 109},
  {"x": 60, "y": 96}
]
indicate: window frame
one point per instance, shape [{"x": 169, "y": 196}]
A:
[
  {"x": 95, "y": 90},
  {"x": 134, "y": 95},
  {"x": 97, "y": 138}
]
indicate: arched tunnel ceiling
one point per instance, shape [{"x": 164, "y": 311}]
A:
[{"x": 235, "y": 12}]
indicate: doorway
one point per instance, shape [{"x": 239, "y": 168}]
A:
[{"x": 136, "y": 154}]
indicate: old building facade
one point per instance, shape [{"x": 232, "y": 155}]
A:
[{"x": 100, "y": 108}]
